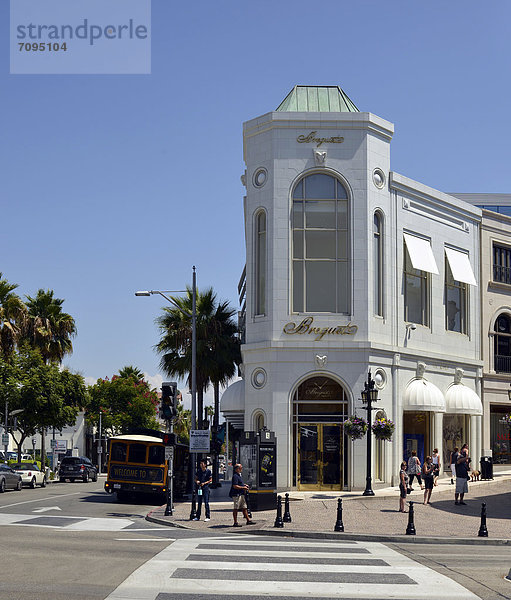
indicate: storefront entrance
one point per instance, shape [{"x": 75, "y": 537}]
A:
[
  {"x": 320, "y": 461},
  {"x": 319, "y": 457}
]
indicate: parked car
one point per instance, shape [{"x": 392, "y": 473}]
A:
[
  {"x": 9, "y": 479},
  {"x": 77, "y": 467},
  {"x": 30, "y": 474}
]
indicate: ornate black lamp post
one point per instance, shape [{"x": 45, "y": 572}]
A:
[{"x": 369, "y": 395}]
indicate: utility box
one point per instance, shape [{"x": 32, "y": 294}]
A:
[
  {"x": 258, "y": 455},
  {"x": 486, "y": 467}
]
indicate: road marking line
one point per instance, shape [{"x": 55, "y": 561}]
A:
[
  {"x": 39, "y": 500},
  {"x": 145, "y": 540},
  {"x": 46, "y": 509},
  {"x": 151, "y": 529}
]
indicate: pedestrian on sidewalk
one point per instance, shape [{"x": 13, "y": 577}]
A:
[
  {"x": 414, "y": 469},
  {"x": 452, "y": 462},
  {"x": 203, "y": 479},
  {"x": 403, "y": 486},
  {"x": 462, "y": 466},
  {"x": 436, "y": 462},
  {"x": 237, "y": 493},
  {"x": 428, "y": 470}
]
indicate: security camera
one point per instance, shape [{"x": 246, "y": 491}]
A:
[{"x": 412, "y": 326}]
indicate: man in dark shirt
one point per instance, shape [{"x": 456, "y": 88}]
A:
[
  {"x": 462, "y": 462},
  {"x": 237, "y": 493},
  {"x": 203, "y": 478}
]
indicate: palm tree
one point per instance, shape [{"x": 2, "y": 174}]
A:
[
  {"x": 49, "y": 328},
  {"x": 12, "y": 317},
  {"x": 216, "y": 336},
  {"x": 131, "y": 371}
]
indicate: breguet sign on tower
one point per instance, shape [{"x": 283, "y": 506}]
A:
[
  {"x": 305, "y": 326},
  {"x": 312, "y": 138}
]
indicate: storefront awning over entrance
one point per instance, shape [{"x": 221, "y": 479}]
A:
[
  {"x": 421, "y": 395},
  {"x": 461, "y": 400},
  {"x": 232, "y": 403}
]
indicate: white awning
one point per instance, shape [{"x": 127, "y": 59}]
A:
[
  {"x": 421, "y": 395},
  {"x": 461, "y": 400},
  {"x": 461, "y": 268},
  {"x": 421, "y": 253}
]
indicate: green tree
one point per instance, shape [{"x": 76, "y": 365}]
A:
[
  {"x": 123, "y": 403},
  {"x": 49, "y": 329},
  {"x": 48, "y": 396},
  {"x": 131, "y": 371},
  {"x": 13, "y": 315},
  {"x": 183, "y": 421},
  {"x": 216, "y": 334}
]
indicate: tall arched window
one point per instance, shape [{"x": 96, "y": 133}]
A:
[
  {"x": 320, "y": 245},
  {"x": 378, "y": 263},
  {"x": 503, "y": 344},
  {"x": 260, "y": 266}
]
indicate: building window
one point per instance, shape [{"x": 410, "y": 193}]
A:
[
  {"x": 502, "y": 341},
  {"x": 260, "y": 256},
  {"x": 416, "y": 284},
  {"x": 501, "y": 264},
  {"x": 378, "y": 263},
  {"x": 320, "y": 246},
  {"x": 258, "y": 421},
  {"x": 455, "y": 302}
]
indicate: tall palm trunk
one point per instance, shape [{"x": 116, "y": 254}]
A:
[{"x": 216, "y": 392}]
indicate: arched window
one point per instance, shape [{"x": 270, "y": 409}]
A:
[
  {"x": 258, "y": 421},
  {"x": 320, "y": 245},
  {"x": 503, "y": 344},
  {"x": 378, "y": 263},
  {"x": 260, "y": 264}
]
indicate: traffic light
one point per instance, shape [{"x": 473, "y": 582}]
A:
[
  {"x": 169, "y": 439},
  {"x": 168, "y": 400}
]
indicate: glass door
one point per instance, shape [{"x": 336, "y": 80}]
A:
[{"x": 319, "y": 457}]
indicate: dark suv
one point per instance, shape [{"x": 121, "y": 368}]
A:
[{"x": 77, "y": 467}]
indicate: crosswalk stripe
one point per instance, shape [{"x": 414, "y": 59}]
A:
[{"x": 294, "y": 570}]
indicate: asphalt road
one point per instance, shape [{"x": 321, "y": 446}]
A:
[{"x": 72, "y": 541}]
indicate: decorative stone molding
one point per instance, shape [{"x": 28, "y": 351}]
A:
[
  {"x": 458, "y": 376},
  {"x": 320, "y": 360},
  {"x": 259, "y": 378},
  {"x": 244, "y": 179},
  {"x": 421, "y": 369},
  {"x": 319, "y": 157},
  {"x": 380, "y": 378}
]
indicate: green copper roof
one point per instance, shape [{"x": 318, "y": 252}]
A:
[{"x": 313, "y": 98}]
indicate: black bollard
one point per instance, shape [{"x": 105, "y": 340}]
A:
[
  {"x": 410, "y": 530},
  {"x": 193, "y": 512},
  {"x": 278, "y": 520},
  {"x": 339, "y": 525},
  {"x": 287, "y": 515},
  {"x": 247, "y": 500},
  {"x": 483, "y": 531}
]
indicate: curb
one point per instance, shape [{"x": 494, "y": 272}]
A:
[{"x": 361, "y": 537}]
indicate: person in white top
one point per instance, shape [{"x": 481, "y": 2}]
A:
[{"x": 436, "y": 462}]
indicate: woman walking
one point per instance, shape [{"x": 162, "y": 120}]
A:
[
  {"x": 428, "y": 469},
  {"x": 403, "y": 486},
  {"x": 436, "y": 462},
  {"x": 414, "y": 469}
]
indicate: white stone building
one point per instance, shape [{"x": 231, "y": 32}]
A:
[{"x": 351, "y": 267}]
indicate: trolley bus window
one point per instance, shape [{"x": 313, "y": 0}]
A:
[
  {"x": 137, "y": 453},
  {"x": 119, "y": 452},
  {"x": 156, "y": 455}
]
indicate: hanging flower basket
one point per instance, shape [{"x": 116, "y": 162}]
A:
[
  {"x": 355, "y": 427},
  {"x": 506, "y": 420},
  {"x": 383, "y": 429}
]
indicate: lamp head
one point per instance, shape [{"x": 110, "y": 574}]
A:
[{"x": 143, "y": 293}]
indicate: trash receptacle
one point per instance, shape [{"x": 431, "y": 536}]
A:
[{"x": 486, "y": 467}]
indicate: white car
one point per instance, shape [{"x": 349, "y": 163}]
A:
[{"x": 30, "y": 474}]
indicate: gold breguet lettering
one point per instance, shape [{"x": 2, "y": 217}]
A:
[
  {"x": 312, "y": 139},
  {"x": 305, "y": 326}
]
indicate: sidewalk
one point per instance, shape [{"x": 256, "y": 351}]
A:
[{"x": 315, "y": 514}]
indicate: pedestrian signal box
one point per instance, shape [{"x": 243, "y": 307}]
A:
[{"x": 258, "y": 455}]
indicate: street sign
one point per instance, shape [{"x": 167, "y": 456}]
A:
[
  {"x": 169, "y": 453},
  {"x": 53, "y": 443},
  {"x": 199, "y": 440},
  {"x": 5, "y": 439},
  {"x": 100, "y": 450},
  {"x": 61, "y": 447}
]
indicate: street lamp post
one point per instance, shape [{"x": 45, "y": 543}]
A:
[
  {"x": 194, "y": 350},
  {"x": 369, "y": 395}
]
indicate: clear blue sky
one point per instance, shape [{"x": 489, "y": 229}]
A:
[{"x": 111, "y": 184}]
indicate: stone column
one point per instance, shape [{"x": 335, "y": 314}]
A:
[
  {"x": 474, "y": 440},
  {"x": 438, "y": 436}
]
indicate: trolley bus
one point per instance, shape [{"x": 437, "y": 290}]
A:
[{"x": 136, "y": 465}]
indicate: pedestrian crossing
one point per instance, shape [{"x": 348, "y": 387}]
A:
[
  {"x": 67, "y": 523},
  {"x": 252, "y": 568}
]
